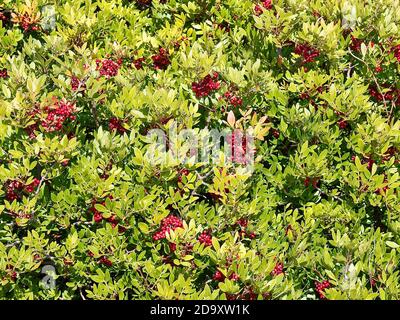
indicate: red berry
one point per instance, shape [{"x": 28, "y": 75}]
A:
[
  {"x": 182, "y": 172},
  {"x": 308, "y": 53},
  {"x": 275, "y": 133},
  {"x": 161, "y": 60},
  {"x": 113, "y": 220},
  {"x": 321, "y": 286},
  {"x": 107, "y": 67},
  {"x": 234, "y": 277},
  {"x": 396, "y": 51},
  {"x": 76, "y": 84},
  {"x": 218, "y": 276},
  {"x": 278, "y": 269},
  {"x": 98, "y": 217},
  {"x": 169, "y": 223},
  {"x": 4, "y": 73},
  {"x": 205, "y": 238},
  {"x": 13, "y": 276},
  {"x": 265, "y": 5},
  {"x": 138, "y": 63},
  {"x": 242, "y": 222},
  {"x": 57, "y": 114},
  {"x": 252, "y": 235},
  {"x": 172, "y": 246},
  {"x": 116, "y": 125},
  {"x": 342, "y": 124}
]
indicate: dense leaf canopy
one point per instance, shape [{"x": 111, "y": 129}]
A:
[{"x": 85, "y": 213}]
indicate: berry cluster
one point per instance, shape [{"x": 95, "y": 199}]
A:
[
  {"x": 206, "y": 238},
  {"x": 378, "y": 68},
  {"x": 138, "y": 63},
  {"x": 4, "y": 73},
  {"x": 143, "y": 4},
  {"x": 321, "y": 286},
  {"x": 106, "y": 170},
  {"x": 15, "y": 188},
  {"x": 205, "y": 86},
  {"x": 311, "y": 95},
  {"x": 396, "y": 51},
  {"x": 234, "y": 277},
  {"x": 342, "y": 123},
  {"x": 275, "y": 133},
  {"x": 77, "y": 84},
  {"x": 218, "y": 276},
  {"x": 108, "y": 67},
  {"x": 10, "y": 269},
  {"x": 243, "y": 232},
  {"x": 308, "y": 53},
  {"x": 248, "y": 294},
  {"x": 115, "y": 124},
  {"x": 167, "y": 224},
  {"x": 5, "y": 16},
  {"x": 30, "y": 130},
  {"x": 27, "y": 23},
  {"x": 97, "y": 216},
  {"x": 311, "y": 181},
  {"x": 390, "y": 94},
  {"x": 369, "y": 163},
  {"x": 172, "y": 246},
  {"x": 114, "y": 222},
  {"x": 182, "y": 172},
  {"x": 32, "y": 186},
  {"x": 242, "y": 222},
  {"x": 105, "y": 261},
  {"x": 57, "y": 114},
  {"x": 232, "y": 99},
  {"x": 278, "y": 269},
  {"x": 161, "y": 60},
  {"x": 355, "y": 44},
  {"x": 224, "y": 26}
]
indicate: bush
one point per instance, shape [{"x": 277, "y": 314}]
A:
[{"x": 86, "y": 213}]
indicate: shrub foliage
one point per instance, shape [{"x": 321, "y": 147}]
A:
[{"x": 83, "y": 82}]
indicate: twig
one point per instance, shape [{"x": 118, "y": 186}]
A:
[{"x": 373, "y": 76}]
